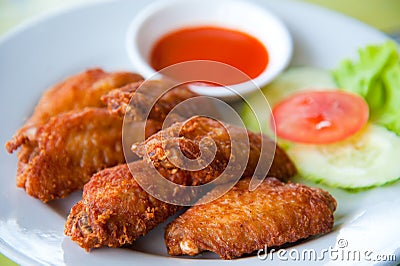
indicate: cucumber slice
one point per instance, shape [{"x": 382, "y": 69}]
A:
[
  {"x": 293, "y": 80},
  {"x": 369, "y": 158}
]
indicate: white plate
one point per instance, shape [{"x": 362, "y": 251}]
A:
[{"x": 43, "y": 52}]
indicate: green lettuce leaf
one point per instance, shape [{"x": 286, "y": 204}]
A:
[{"x": 376, "y": 77}]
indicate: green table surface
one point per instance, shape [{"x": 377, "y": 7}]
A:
[{"x": 381, "y": 14}]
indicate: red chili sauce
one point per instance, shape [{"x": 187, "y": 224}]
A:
[{"x": 232, "y": 47}]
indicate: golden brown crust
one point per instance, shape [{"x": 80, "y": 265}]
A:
[
  {"x": 112, "y": 188},
  {"x": 241, "y": 221},
  {"x": 189, "y": 134},
  {"x": 114, "y": 211},
  {"x": 67, "y": 150},
  {"x": 74, "y": 93}
]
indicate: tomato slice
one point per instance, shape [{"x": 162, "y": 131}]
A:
[{"x": 319, "y": 117}]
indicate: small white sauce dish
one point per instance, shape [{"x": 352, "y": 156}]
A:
[{"x": 163, "y": 17}]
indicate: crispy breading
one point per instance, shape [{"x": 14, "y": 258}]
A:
[
  {"x": 74, "y": 93},
  {"x": 114, "y": 210},
  {"x": 110, "y": 211},
  {"x": 190, "y": 133},
  {"x": 241, "y": 222},
  {"x": 67, "y": 150}
]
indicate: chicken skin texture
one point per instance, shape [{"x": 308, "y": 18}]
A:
[
  {"x": 67, "y": 150},
  {"x": 242, "y": 221}
]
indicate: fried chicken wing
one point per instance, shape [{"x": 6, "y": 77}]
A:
[
  {"x": 114, "y": 210},
  {"x": 67, "y": 150},
  {"x": 189, "y": 135},
  {"x": 74, "y": 93},
  {"x": 241, "y": 222}
]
